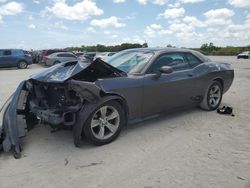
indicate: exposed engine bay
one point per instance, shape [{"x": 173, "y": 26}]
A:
[{"x": 54, "y": 103}]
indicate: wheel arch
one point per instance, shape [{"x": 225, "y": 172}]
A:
[
  {"x": 220, "y": 80},
  {"x": 121, "y": 100},
  {"x": 89, "y": 108},
  {"x": 20, "y": 60}
]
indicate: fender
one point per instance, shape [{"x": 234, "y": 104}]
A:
[{"x": 87, "y": 109}]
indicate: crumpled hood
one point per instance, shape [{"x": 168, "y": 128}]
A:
[{"x": 64, "y": 71}]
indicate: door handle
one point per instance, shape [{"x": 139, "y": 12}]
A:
[{"x": 190, "y": 74}]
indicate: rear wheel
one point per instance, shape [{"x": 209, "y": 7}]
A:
[
  {"x": 22, "y": 65},
  {"x": 105, "y": 123},
  {"x": 213, "y": 96}
]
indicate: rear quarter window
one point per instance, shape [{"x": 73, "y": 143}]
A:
[
  {"x": 202, "y": 57},
  {"x": 192, "y": 60},
  {"x": 17, "y": 52}
]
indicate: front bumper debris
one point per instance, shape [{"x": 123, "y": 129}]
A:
[{"x": 12, "y": 122}]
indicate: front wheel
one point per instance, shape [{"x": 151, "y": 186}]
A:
[
  {"x": 22, "y": 65},
  {"x": 105, "y": 123},
  {"x": 213, "y": 96}
]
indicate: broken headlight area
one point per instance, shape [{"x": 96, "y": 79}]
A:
[{"x": 54, "y": 104}]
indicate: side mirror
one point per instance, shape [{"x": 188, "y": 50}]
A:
[{"x": 166, "y": 69}]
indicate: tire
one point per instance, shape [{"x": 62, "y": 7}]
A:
[
  {"x": 213, "y": 97},
  {"x": 98, "y": 129},
  {"x": 22, "y": 65}
]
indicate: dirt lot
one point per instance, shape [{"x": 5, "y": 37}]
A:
[{"x": 191, "y": 148}]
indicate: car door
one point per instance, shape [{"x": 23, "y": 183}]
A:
[
  {"x": 168, "y": 91},
  {"x": 7, "y": 59},
  {"x": 2, "y": 59}
]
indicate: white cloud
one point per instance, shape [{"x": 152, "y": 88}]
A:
[
  {"x": 219, "y": 13},
  {"x": 191, "y": 1},
  {"x": 32, "y": 26},
  {"x": 156, "y": 2},
  {"x": 119, "y": 1},
  {"x": 91, "y": 29},
  {"x": 36, "y": 1},
  {"x": 172, "y": 13},
  {"x": 240, "y": 3},
  {"x": 193, "y": 21},
  {"x": 30, "y": 17},
  {"x": 174, "y": 5},
  {"x": 60, "y": 25},
  {"x": 1, "y": 19},
  {"x": 108, "y": 22},
  {"x": 3, "y": 1},
  {"x": 11, "y": 8},
  {"x": 219, "y": 16},
  {"x": 79, "y": 11},
  {"x": 155, "y": 30}
]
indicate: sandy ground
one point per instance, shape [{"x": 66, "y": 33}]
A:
[{"x": 192, "y": 148}]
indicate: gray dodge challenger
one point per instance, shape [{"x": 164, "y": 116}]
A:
[{"x": 97, "y": 99}]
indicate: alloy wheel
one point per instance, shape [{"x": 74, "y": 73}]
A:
[
  {"x": 105, "y": 122},
  {"x": 214, "y": 96},
  {"x": 22, "y": 65}
]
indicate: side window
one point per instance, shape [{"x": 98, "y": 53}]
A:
[
  {"x": 70, "y": 55},
  {"x": 61, "y": 55},
  {"x": 192, "y": 60},
  {"x": 65, "y": 55},
  {"x": 175, "y": 60},
  {"x": 17, "y": 52},
  {"x": 1, "y": 53},
  {"x": 6, "y": 52}
]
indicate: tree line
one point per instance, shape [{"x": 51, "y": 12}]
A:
[
  {"x": 103, "y": 48},
  {"x": 207, "y": 48},
  {"x": 211, "y": 49}
]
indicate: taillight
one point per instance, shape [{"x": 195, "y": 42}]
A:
[{"x": 45, "y": 58}]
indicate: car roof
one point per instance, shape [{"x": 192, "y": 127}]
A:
[
  {"x": 57, "y": 53},
  {"x": 12, "y": 49},
  {"x": 160, "y": 50}
]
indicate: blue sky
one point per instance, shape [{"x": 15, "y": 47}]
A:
[{"x": 39, "y": 24}]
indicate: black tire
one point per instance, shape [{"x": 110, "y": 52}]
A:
[
  {"x": 206, "y": 103},
  {"x": 22, "y": 65},
  {"x": 88, "y": 130}
]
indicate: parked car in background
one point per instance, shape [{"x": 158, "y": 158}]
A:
[
  {"x": 105, "y": 56},
  {"x": 90, "y": 55},
  {"x": 15, "y": 58},
  {"x": 35, "y": 56},
  {"x": 78, "y": 54},
  {"x": 46, "y": 53},
  {"x": 59, "y": 57},
  {"x": 244, "y": 55}
]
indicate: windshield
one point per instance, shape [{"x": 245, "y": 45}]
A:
[
  {"x": 130, "y": 61},
  {"x": 245, "y": 52}
]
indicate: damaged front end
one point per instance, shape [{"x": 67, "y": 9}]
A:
[{"x": 55, "y": 97}]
